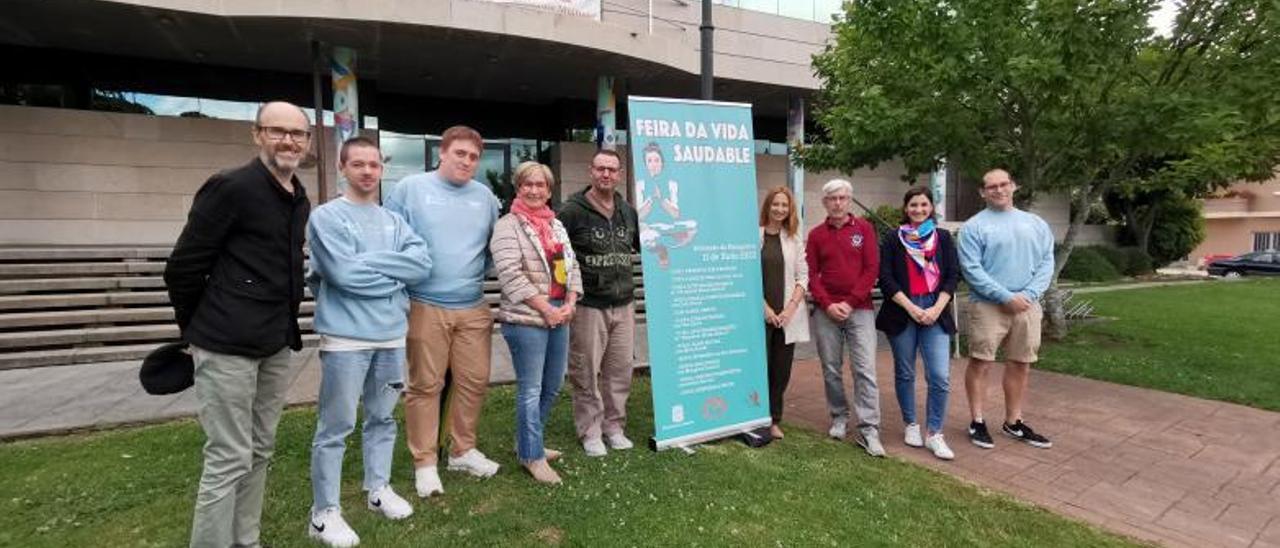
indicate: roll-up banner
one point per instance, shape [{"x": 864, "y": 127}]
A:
[
  {"x": 695, "y": 191},
  {"x": 346, "y": 102}
]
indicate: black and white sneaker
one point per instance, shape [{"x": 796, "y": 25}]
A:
[
  {"x": 1020, "y": 431},
  {"x": 979, "y": 436}
]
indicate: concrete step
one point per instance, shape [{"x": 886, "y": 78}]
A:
[
  {"x": 68, "y": 356},
  {"x": 27, "y": 340},
  {"x": 78, "y": 270},
  {"x": 47, "y": 285},
  {"x": 13, "y": 254},
  {"x": 99, "y": 316},
  {"x": 82, "y": 300},
  {"x": 66, "y": 337}
]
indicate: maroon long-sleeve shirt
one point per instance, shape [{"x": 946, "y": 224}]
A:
[{"x": 843, "y": 263}]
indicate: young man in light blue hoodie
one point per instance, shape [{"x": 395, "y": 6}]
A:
[
  {"x": 450, "y": 325},
  {"x": 363, "y": 257},
  {"x": 1006, "y": 255}
]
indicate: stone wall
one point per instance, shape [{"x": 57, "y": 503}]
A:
[{"x": 73, "y": 177}]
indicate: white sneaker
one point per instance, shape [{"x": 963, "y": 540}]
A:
[
  {"x": 386, "y": 502},
  {"x": 939, "y": 447},
  {"x": 594, "y": 447},
  {"x": 912, "y": 437},
  {"x": 837, "y": 430},
  {"x": 328, "y": 527},
  {"x": 473, "y": 462},
  {"x": 426, "y": 481},
  {"x": 870, "y": 440},
  {"x": 618, "y": 441}
]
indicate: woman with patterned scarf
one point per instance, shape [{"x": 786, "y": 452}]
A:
[
  {"x": 540, "y": 283},
  {"x": 919, "y": 269}
]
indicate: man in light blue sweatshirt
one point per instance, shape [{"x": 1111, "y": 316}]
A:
[
  {"x": 362, "y": 258},
  {"x": 1006, "y": 255},
  {"x": 450, "y": 325}
]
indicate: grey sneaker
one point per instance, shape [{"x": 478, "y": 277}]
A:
[
  {"x": 837, "y": 430},
  {"x": 870, "y": 440}
]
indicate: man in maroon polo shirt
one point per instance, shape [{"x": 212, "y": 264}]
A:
[{"x": 843, "y": 263}]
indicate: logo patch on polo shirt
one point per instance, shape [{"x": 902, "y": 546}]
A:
[{"x": 857, "y": 240}]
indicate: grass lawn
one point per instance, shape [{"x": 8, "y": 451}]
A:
[
  {"x": 1214, "y": 340},
  {"x": 135, "y": 487}
]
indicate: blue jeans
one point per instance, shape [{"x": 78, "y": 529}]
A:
[
  {"x": 378, "y": 375},
  {"x": 540, "y": 357},
  {"x": 934, "y": 345}
]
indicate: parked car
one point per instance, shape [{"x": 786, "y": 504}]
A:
[{"x": 1258, "y": 263}]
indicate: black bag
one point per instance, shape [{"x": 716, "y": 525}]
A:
[{"x": 759, "y": 437}]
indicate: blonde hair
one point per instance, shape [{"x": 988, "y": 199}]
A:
[
  {"x": 792, "y": 223},
  {"x": 527, "y": 169}
]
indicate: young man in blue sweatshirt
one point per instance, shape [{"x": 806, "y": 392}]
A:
[
  {"x": 450, "y": 325},
  {"x": 362, "y": 258},
  {"x": 1006, "y": 255}
]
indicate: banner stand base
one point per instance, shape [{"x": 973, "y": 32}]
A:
[{"x": 694, "y": 439}]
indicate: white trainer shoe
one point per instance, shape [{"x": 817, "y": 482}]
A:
[
  {"x": 939, "y": 447},
  {"x": 386, "y": 502},
  {"x": 426, "y": 481},
  {"x": 473, "y": 462},
  {"x": 870, "y": 440},
  {"x": 618, "y": 441},
  {"x": 837, "y": 430},
  {"x": 327, "y": 526},
  {"x": 912, "y": 437},
  {"x": 594, "y": 447}
]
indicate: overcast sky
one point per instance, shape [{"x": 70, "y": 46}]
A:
[{"x": 1162, "y": 19}]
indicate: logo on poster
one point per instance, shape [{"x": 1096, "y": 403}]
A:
[
  {"x": 714, "y": 408},
  {"x": 677, "y": 413}
]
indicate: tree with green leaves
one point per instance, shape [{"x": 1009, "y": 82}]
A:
[{"x": 1079, "y": 97}]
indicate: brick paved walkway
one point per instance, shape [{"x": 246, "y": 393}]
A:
[{"x": 1156, "y": 466}]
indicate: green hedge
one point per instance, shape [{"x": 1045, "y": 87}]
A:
[
  {"x": 1086, "y": 264},
  {"x": 1114, "y": 255},
  {"x": 1138, "y": 262}
]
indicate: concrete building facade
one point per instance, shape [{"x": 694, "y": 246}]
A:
[{"x": 1243, "y": 218}]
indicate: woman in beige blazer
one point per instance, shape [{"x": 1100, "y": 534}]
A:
[
  {"x": 540, "y": 284},
  {"x": 785, "y": 276}
]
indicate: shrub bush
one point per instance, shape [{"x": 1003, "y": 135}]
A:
[
  {"x": 1178, "y": 229},
  {"x": 1114, "y": 255},
  {"x": 889, "y": 214},
  {"x": 1087, "y": 265},
  {"x": 1137, "y": 262}
]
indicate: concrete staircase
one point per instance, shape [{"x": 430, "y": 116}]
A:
[{"x": 71, "y": 305}]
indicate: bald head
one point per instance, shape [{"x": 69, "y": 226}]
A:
[
  {"x": 283, "y": 135},
  {"x": 276, "y": 109}
]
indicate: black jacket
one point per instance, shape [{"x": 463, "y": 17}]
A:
[
  {"x": 235, "y": 276},
  {"x": 892, "y": 318},
  {"x": 604, "y": 248}
]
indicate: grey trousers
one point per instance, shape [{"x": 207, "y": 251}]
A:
[
  {"x": 601, "y": 356},
  {"x": 858, "y": 332},
  {"x": 240, "y": 402}
]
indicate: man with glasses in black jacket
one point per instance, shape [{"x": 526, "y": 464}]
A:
[{"x": 235, "y": 280}]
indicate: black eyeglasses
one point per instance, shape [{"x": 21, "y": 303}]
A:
[{"x": 276, "y": 133}]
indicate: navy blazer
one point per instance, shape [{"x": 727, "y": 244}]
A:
[{"x": 892, "y": 318}]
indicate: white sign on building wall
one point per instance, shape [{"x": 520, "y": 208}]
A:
[{"x": 586, "y": 8}]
